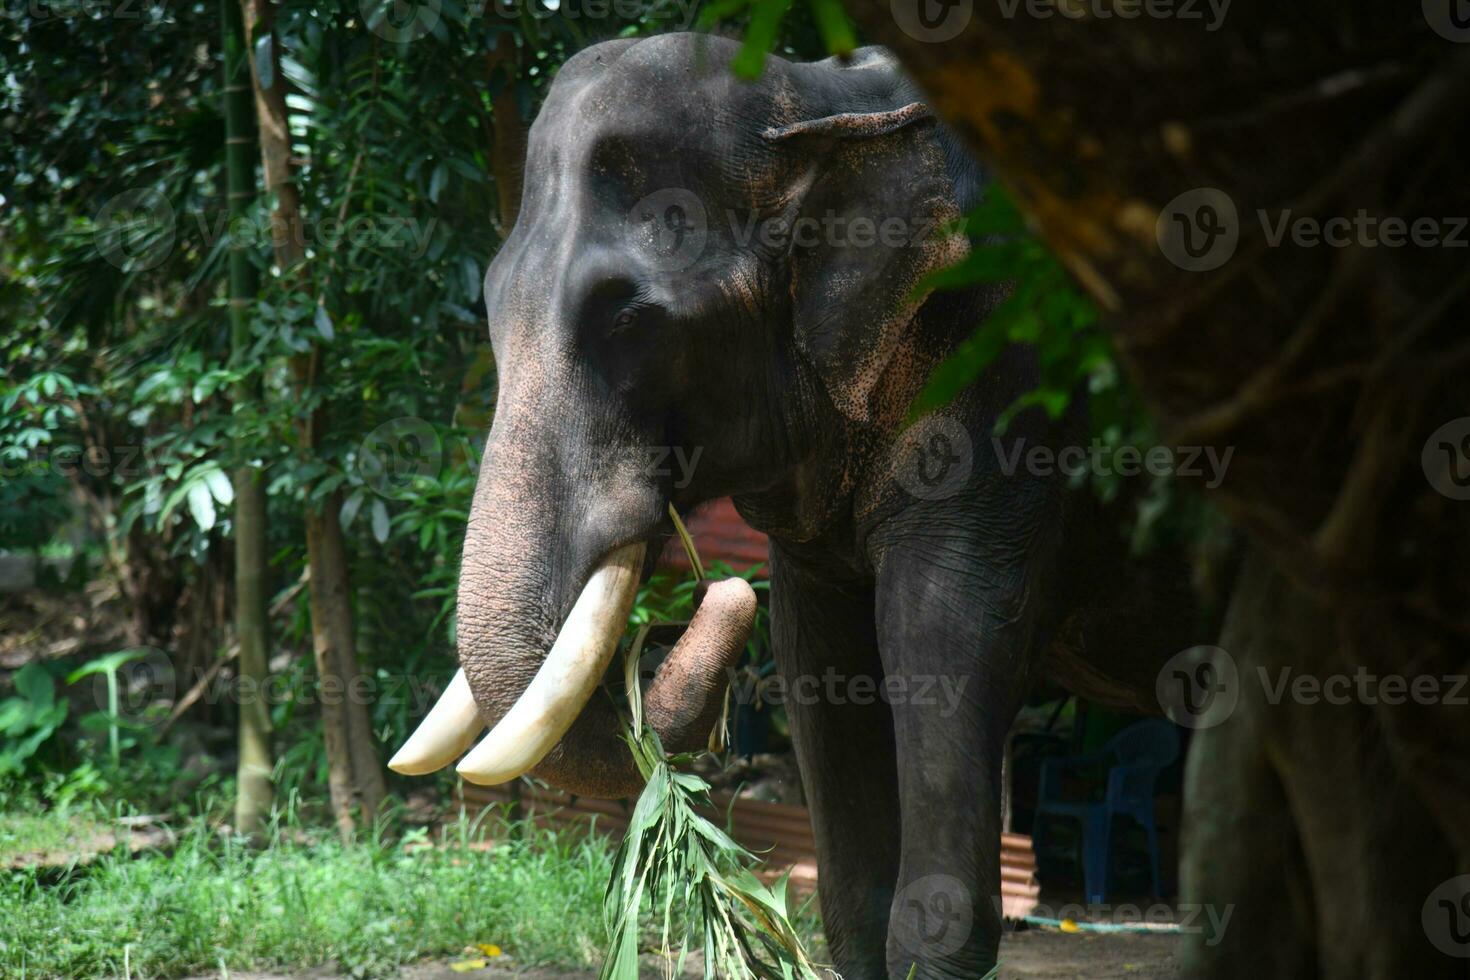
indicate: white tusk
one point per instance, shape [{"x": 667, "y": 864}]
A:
[
  {"x": 567, "y": 678},
  {"x": 450, "y": 727}
]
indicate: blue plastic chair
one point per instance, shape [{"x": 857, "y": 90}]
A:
[{"x": 1137, "y": 754}]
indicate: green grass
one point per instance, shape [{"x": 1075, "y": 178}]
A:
[
  {"x": 367, "y": 907},
  {"x": 24, "y": 834}
]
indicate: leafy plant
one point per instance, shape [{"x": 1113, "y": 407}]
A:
[
  {"x": 1043, "y": 309},
  {"x": 109, "y": 665},
  {"x": 28, "y": 718},
  {"x": 689, "y": 870}
]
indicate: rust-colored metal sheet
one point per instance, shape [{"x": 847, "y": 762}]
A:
[
  {"x": 779, "y": 832},
  {"x": 719, "y": 533}
]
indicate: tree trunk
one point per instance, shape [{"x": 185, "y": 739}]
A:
[
  {"x": 355, "y": 780},
  {"x": 1159, "y": 156},
  {"x": 254, "y": 792},
  {"x": 508, "y": 144}
]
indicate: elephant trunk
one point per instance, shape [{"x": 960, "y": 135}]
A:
[{"x": 543, "y": 602}]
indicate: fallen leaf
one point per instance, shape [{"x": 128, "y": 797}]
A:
[
  {"x": 465, "y": 966},
  {"x": 489, "y": 949}
]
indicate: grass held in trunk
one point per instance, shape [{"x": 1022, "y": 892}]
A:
[{"x": 689, "y": 870}]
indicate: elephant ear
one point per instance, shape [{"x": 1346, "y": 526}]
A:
[{"x": 870, "y": 205}]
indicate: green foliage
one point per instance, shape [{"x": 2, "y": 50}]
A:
[
  {"x": 1047, "y": 312},
  {"x": 28, "y": 718},
  {"x": 110, "y": 720},
  {"x": 33, "y": 495},
  {"x": 821, "y": 27},
  {"x": 1043, "y": 309},
  {"x": 691, "y": 872},
  {"x": 663, "y": 599}
]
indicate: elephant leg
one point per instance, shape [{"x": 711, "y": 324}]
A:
[
  {"x": 955, "y": 648},
  {"x": 844, "y": 746}
]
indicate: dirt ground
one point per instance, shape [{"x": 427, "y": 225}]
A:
[{"x": 1037, "y": 954}]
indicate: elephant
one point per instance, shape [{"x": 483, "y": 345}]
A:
[{"x": 734, "y": 269}]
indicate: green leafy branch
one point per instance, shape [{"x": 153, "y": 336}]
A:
[
  {"x": 692, "y": 873},
  {"x": 1043, "y": 309}
]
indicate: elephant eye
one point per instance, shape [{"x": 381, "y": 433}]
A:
[{"x": 624, "y": 320}]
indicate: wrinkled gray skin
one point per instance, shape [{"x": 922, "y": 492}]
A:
[{"x": 788, "y": 366}]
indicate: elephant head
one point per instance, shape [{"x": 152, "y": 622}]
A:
[{"x": 702, "y": 269}]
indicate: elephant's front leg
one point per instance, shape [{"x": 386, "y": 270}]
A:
[
  {"x": 954, "y": 634},
  {"x": 823, "y": 636}
]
